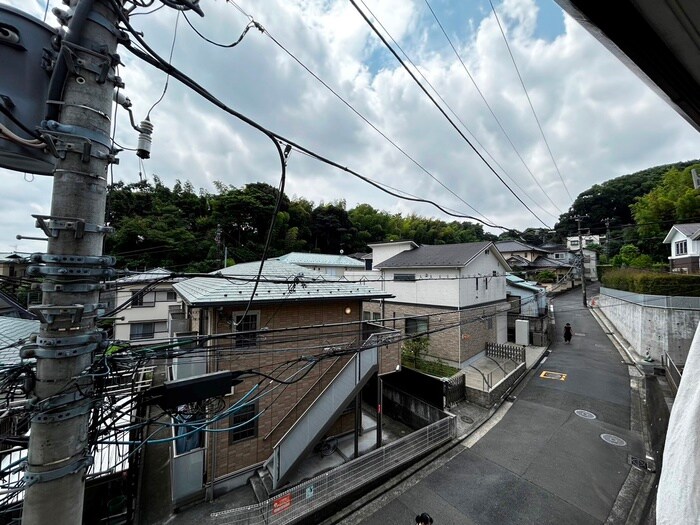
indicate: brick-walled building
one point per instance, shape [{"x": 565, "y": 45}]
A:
[
  {"x": 455, "y": 293},
  {"x": 299, "y": 327}
]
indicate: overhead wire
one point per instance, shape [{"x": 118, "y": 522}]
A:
[
  {"x": 529, "y": 101},
  {"x": 454, "y": 113},
  {"x": 493, "y": 114},
  {"x": 442, "y": 111},
  {"x": 149, "y": 56}
]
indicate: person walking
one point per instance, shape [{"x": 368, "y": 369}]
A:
[
  {"x": 424, "y": 519},
  {"x": 567, "y": 333}
]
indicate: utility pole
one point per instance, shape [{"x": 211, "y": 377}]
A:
[
  {"x": 578, "y": 219},
  {"x": 72, "y": 269},
  {"x": 607, "y": 237}
]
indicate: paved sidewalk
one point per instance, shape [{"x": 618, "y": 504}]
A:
[{"x": 541, "y": 463}]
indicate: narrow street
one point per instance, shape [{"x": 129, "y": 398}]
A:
[{"x": 542, "y": 462}]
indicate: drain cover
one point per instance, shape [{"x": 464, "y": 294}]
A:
[
  {"x": 585, "y": 414},
  {"x": 466, "y": 419},
  {"x": 553, "y": 375},
  {"x": 642, "y": 464},
  {"x": 613, "y": 440}
]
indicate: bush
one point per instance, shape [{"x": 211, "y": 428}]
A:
[{"x": 653, "y": 283}]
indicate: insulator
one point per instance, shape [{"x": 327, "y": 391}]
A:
[{"x": 143, "y": 147}]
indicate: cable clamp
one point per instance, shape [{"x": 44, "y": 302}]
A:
[
  {"x": 72, "y": 340},
  {"x": 56, "y": 128},
  {"x": 71, "y": 271},
  {"x": 62, "y": 415},
  {"x": 53, "y": 287},
  {"x": 32, "y": 477},
  {"x": 92, "y": 260},
  {"x": 51, "y": 314},
  {"x": 54, "y": 224}
]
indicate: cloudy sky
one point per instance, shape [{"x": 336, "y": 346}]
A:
[{"x": 600, "y": 120}]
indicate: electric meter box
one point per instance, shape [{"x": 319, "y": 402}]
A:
[{"x": 25, "y": 55}]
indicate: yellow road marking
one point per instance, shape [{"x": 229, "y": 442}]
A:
[{"x": 553, "y": 375}]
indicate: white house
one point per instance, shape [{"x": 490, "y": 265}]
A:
[
  {"x": 150, "y": 305},
  {"x": 685, "y": 247},
  {"x": 330, "y": 265},
  {"x": 455, "y": 294},
  {"x": 572, "y": 243}
]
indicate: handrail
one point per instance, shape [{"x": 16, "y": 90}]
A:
[
  {"x": 301, "y": 398},
  {"x": 497, "y": 364}
]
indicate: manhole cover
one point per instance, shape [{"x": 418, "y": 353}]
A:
[
  {"x": 613, "y": 440},
  {"x": 553, "y": 375},
  {"x": 466, "y": 419},
  {"x": 585, "y": 414}
]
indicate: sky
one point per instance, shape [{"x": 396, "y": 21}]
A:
[{"x": 599, "y": 119}]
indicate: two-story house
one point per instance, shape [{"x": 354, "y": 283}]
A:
[
  {"x": 453, "y": 294},
  {"x": 306, "y": 353},
  {"x": 149, "y": 300},
  {"x": 573, "y": 242},
  {"x": 685, "y": 247}
]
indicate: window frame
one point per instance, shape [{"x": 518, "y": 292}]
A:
[
  {"x": 245, "y": 340},
  {"x": 246, "y": 416},
  {"x": 681, "y": 247},
  {"x": 404, "y": 277},
  {"x": 417, "y": 332},
  {"x": 141, "y": 336}
]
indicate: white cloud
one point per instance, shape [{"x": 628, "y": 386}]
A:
[{"x": 601, "y": 120}]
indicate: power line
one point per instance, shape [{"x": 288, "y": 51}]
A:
[
  {"x": 391, "y": 49},
  {"x": 493, "y": 114},
  {"x": 527, "y": 95}
]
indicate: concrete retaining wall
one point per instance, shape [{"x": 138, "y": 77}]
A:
[
  {"x": 650, "y": 329},
  {"x": 487, "y": 399}
]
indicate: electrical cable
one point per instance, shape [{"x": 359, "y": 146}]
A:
[
  {"x": 442, "y": 111},
  {"x": 167, "y": 78},
  {"x": 153, "y": 59},
  {"x": 527, "y": 95},
  {"x": 493, "y": 114},
  {"x": 227, "y": 46}
]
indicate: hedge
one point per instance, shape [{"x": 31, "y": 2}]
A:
[{"x": 653, "y": 283}]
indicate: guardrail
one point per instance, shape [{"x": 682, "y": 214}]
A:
[
  {"x": 673, "y": 371},
  {"x": 303, "y": 499}
]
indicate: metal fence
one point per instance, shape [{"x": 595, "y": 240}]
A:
[
  {"x": 674, "y": 372},
  {"x": 654, "y": 301},
  {"x": 301, "y": 500},
  {"x": 453, "y": 390},
  {"x": 506, "y": 351}
]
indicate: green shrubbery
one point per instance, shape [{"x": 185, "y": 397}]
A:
[
  {"x": 653, "y": 283},
  {"x": 412, "y": 354}
]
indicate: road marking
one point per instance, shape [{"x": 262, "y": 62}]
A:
[{"x": 553, "y": 375}]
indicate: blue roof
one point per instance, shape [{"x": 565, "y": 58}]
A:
[
  {"x": 320, "y": 259},
  {"x": 522, "y": 283},
  {"x": 12, "y": 332}
]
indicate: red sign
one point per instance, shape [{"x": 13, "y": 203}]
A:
[{"x": 282, "y": 503}]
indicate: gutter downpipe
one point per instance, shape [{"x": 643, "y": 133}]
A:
[{"x": 459, "y": 316}]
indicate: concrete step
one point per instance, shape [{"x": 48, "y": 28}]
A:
[{"x": 261, "y": 487}]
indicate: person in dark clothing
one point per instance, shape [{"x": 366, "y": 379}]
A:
[
  {"x": 567, "y": 333},
  {"x": 424, "y": 519}
]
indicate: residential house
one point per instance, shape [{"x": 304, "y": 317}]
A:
[
  {"x": 13, "y": 264},
  {"x": 151, "y": 306},
  {"x": 330, "y": 265},
  {"x": 685, "y": 247},
  {"x": 529, "y": 307},
  {"x": 518, "y": 253},
  {"x": 455, "y": 293},
  {"x": 529, "y": 261},
  {"x": 299, "y": 327},
  {"x": 573, "y": 243}
]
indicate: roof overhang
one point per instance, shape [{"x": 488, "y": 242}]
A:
[{"x": 658, "y": 40}]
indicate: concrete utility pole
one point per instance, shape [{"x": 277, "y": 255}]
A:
[
  {"x": 607, "y": 236},
  {"x": 578, "y": 219},
  {"x": 72, "y": 268}
]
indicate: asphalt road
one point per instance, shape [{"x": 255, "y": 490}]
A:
[{"x": 541, "y": 463}]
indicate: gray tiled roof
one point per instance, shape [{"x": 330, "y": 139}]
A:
[
  {"x": 144, "y": 277},
  {"x": 516, "y": 246},
  {"x": 687, "y": 229},
  {"x": 310, "y": 285},
  {"x": 320, "y": 259},
  {"x": 443, "y": 255},
  {"x": 13, "y": 330},
  {"x": 546, "y": 262}
]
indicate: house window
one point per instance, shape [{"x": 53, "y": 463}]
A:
[
  {"x": 476, "y": 280},
  {"x": 558, "y": 255},
  {"x": 574, "y": 243},
  {"x": 376, "y": 316},
  {"x": 416, "y": 326},
  {"x": 486, "y": 283},
  {"x": 142, "y": 330},
  {"x": 366, "y": 316},
  {"x": 368, "y": 264},
  {"x": 404, "y": 277},
  {"x": 140, "y": 299},
  {"x": 172, "y": 296},
  {"x": 243, "y": 424},
  {"x": 248, "y": 325},
  {"x": 681, "y": 247}
]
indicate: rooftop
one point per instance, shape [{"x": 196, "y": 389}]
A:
[
  {"x": 516, "y": 246},
  {"x": 320, "y": 259},
  {"x": 12, "y": 331},
  {"x": 443, "y": 255},
  {"x": 279, "y": 281}
]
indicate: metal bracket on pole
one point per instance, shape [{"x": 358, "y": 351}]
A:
[
  {"x": 54, "y": 224},
  {"x": 30, "y": 478},
  {"x": 70, "y": 287},
  {"x": 51, "y": 126},
  {"x": 96, "y": 337},
  {"x": 48, "y": 313},
  {"x": 63, "y": 271},
  {"x": 62, "y": 415},
  {"x": 29, "y": 351},
  {"x": 93, "y": 260}
]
